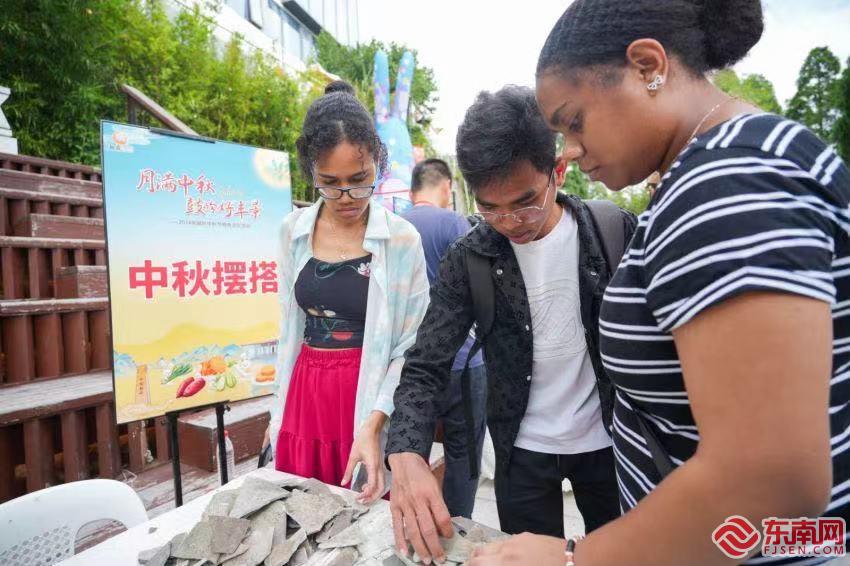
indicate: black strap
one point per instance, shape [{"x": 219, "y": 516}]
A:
[
  {"x": 484, "y": 309},
  {"x": 612, "y": 233},
  {"x": 468, "y": 416},
  {"x": 659, "y": 455},
  {"x": 609, "y": 225},
  {"x": 483, "y": 293}
]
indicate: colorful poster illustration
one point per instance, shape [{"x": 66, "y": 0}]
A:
[
  {"x": 401, "y": 205},
  {"x": 191, "y": 229}
]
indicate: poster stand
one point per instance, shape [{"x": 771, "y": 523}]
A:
[{"x": 220, "y": 408}]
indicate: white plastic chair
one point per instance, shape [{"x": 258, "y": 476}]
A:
[{"x": 40, "y": 528}]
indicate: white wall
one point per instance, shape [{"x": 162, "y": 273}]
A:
[
  {"x": 331, "y": 14},
  {"x": 229, "y": 22}
]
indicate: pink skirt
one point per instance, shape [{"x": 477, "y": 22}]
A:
[{"x": 318, "y": 420}]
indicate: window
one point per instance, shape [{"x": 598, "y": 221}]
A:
[
  {"x": 239, "y": 6},
  {"x": 308, "y": 45},
  {"x": 291, "y": 35},
  {"x": 271, "y": 22},
  {"x": 251, "y": 10},
  {"x": 255, "y": 12}
]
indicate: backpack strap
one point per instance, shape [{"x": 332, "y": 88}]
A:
[
  {"x": 612, "y": 233},
  {"x": 483, "y": 295},
  {"x": 659, "y": 456},
  {"x": 609, "y": 225}
]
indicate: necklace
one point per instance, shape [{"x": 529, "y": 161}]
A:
[
  {"x": 655, "y": 179},
  {"x": 339, "y": 242},
  {"x": 704, "y": 118}
]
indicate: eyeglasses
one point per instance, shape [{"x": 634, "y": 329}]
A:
[
  {"x": 334, "y": 193},
  {"x": 525, "y": 215}
]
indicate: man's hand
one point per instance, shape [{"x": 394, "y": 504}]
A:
[{"x": 419, "y": 512}]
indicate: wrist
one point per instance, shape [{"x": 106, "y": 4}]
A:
[
  {"x": 405, "y": 458},
  {"x": 374, "y": 422},
  {"x": 570, "y": 550}
]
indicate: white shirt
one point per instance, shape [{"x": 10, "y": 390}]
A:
[{"x": 564, "y": 415}]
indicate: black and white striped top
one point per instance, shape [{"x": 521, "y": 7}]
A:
[{"x": 756, "y": 203}]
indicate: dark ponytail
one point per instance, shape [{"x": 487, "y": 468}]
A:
[
  {"x": 732, "y": 28},
  {"x": 333, "y": 118},
  {"x": 340, "y": 86},
  {"x": 703, "y": 34}
]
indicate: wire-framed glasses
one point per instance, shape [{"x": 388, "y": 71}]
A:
[{"x": 525, "y": 215}]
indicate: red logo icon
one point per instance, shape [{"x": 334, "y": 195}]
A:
[{"x": 736, "y": 537}]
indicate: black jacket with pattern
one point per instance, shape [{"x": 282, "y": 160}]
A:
[{"x": 508, "y": 348}]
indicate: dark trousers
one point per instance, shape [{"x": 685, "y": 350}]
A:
[
  {"x": 530, "y": 499},
  {"x": 458, "y": 489}
]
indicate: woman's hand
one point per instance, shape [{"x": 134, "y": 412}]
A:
[
  {"x": 521, "y": 550},
  {"x": 367, "y": 449}
]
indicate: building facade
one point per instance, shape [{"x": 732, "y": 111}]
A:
[{"x": 285, "y": 29}]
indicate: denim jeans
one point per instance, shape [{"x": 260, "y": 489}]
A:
[{"x": 458, "y": 489}]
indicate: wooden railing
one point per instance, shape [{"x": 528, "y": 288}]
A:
[
  {"x": 57, "y": 417},
  {"x": 137, "y": 100},
  {"x": 50, "y": 167},
  {"x": 56, "y": 413}
]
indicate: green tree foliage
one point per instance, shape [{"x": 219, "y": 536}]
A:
[
  {"x": 71, "y": 58},
  {"x": 356, "y": 64},
  {"x": 634, "y": 199},
  {"x": 842, "y": 126},
  {"x": 755, "y": 89},
  {"x": 816, "y": 102},
  {"x": 577, "y": 183}
]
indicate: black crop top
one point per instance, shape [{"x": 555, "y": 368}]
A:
[{"x": 334, "y": 297}]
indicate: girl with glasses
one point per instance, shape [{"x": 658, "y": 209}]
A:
[{"x": 354, "y": 290}]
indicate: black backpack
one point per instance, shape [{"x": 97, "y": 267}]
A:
[{"x": 608, "y": 221}]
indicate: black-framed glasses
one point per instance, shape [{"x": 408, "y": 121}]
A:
[
  {"x": 335, "y": 193},
  {"x": 525, "y": 215}
]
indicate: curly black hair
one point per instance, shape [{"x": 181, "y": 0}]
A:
[
  {"x": 335, "y": 117},
  {"x": 500, "y": 130},
  {"x": 703, "y": 34}
]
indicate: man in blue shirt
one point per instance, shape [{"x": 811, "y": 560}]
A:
[{"x": 439, "y": 227}]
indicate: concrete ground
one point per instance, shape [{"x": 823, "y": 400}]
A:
[{"x": 485, "y": 510}]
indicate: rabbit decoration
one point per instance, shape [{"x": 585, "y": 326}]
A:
[{"x": 392, "y": 128}]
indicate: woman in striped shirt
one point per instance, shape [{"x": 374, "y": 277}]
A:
[{"x": 726, "y": 329}]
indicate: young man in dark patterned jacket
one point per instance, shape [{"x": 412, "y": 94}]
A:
[{"x": 549, "y": 399}]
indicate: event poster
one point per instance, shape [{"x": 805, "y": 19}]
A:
[{"x": 191, "y": 228}]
